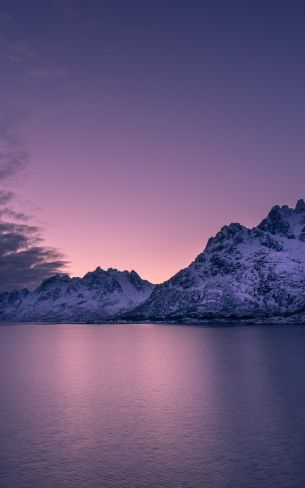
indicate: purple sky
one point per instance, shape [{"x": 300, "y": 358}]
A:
[{"x": 150, "y": 124}]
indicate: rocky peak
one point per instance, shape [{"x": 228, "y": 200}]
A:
[
  {"x": 300, "y": 206},
  {"x": 101, "y": 280},
  {"x": 276, "y": 221},
  {"x": 136, "y": 280},
  {"x": 53, "y": 281},
  {"x": 285, "y": 221},
  {"x": 230, "y": 230},
  {"x": 114, "y": 271},
  {"x": 230, "y": 234},
  {"x": 97, "y": 296}
]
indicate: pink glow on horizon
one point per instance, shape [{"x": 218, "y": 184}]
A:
[
  {"x": 118, "y": 205},
  {"x": 149, "y": 129}
]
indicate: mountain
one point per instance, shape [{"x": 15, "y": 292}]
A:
[
  {"x": 97, "y": 296},
  {"x": 253, "y": 274}
]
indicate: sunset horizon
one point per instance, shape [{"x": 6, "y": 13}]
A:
[
  {"x": 129, "y": 155},
  {"x": 152, "y": 243}
]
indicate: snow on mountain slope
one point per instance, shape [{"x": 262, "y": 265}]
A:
[
  {"x": 97, "y": 296},
  {"x": 242, "y": 273}
]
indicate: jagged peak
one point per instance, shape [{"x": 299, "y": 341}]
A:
[
  {"x": 57, "y": 277},
  {"x": 300, "y": 206},
  {"x": 278, "y": 210},
  {"x": 285, "y": 221},
  {"x": 115, "y": 270},
  {"x": 230, "y": 230},
  {"x": 114, "y": 275},
  {"x": 285, "y": 210},
  {"x": 110, "y": 271},
  {"x": 97, "y": 271},
  {"x": 234, "y": 230},
  {"x": 96, "y": 274},
  {"x": 274, "y": 209},
  {"x": 134, "y": 273},
  {"x": 125, "y": 272},
  {"x": 234, "y": 227}
]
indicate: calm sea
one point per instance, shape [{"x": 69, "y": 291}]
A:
[{"x": 136, "y": 406}]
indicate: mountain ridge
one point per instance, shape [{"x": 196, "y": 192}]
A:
[
  {"x": 243, "y": 274},
  {"x": 98, "y": 295}
]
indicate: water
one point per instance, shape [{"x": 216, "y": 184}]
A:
[{"x": 136, "y": 406}]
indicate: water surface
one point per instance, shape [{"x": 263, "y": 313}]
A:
[{"x": 136, "y": 406}]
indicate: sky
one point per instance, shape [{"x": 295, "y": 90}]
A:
[{"x": 132, "y": 130}]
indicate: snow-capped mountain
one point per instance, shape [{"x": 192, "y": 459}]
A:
[
  {"x": 95, "y": 297},
  {"x": 242, "y": 274},
  {"x": 253, "y": 274}
]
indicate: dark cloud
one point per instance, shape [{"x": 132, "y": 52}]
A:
[
  {"x": 11, "y": 163},
  {"x": 24, "y": 262},
  {"x": 5, "y": 196},
  {"x": 24, "y": 259},
  {"x": 13, "y": 156},
  {"x": 12, "y": 214}
]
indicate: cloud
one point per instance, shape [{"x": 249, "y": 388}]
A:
[
  {"x": 11, "y": 163},
  {"x": 13, "y": 156},
  {"x": 12, "y": 214},
  {"x": 24, "y": 262},
  {"x": 24, "y": 259},
  {"x": 5, "y": 196},
  {"x": 9, "y": 129},
  {"x": 46, "y": 72}
]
